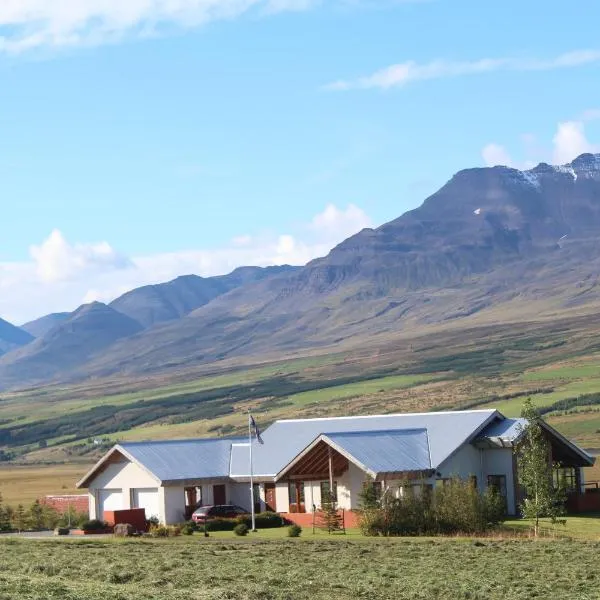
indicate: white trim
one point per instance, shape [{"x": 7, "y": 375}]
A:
[{"x": 441, "y": 412}]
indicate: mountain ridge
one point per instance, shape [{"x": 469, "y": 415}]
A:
[{"x": 492, "y": 239}]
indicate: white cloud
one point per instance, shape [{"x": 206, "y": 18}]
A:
[
  {"x": 494, "y": 154},
  {"x": 61, "y": 275},
  {"x": 401, "y": 74},
  {"x": 29, "y": 24},
  {"x": 58, "y": 260},
  {"x": 569, "y": 141}
]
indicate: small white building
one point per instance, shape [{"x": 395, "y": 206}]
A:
[{"x": 301, "y": 459}]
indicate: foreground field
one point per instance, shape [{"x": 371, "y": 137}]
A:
[{"x": 193, "y": 568}]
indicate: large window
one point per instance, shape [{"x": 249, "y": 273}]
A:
[
  {"x": 325, "y": 491},
  {"x": 498, "y": 482},
  {"x": 565, "y": 478}
]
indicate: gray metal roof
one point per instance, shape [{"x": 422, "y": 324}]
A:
[
  {"x": 507, "y": 430},
  {"x": 284, "y": 440},
  {"x": 393, "y": 451},
  {"x": 183, "y": 459}
]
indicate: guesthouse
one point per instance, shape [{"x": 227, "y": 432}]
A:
[{"x": 303, "y": 459}]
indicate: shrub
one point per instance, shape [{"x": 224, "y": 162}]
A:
[
  {"x": 294, "y": 531},
  {"x": 220, "y": 524},
  {"x": 164, "y": 531},
  {"x": 241, "y": 529},
  {"x": 93, "y": 525},
  {"x": 265, "y": 520},
  {"x": 188, "y": 528},
  {"x": 456, "y": 507}
]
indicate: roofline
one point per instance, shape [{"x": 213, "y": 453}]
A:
[
  {"x": 323, "y": 437},
  {"x": 116, "y": 448},
  {"x": 183, "y": 440},
  {"x": 472, "y": 435},
  {"x": 418, "y": 414},
  {"x": 590, "y": 459}
]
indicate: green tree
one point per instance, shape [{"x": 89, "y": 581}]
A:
[
  {"x": 4, "y": 516},
  {"x": 36, "y": 515},
  {"x": 329, "y": 518},
  {"x": 535, "y": 468},
  {"x": 19, "y": 518}
]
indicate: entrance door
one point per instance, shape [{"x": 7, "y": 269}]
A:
[
  {"x": 270, "y": 502},
  {"x": 219, "y": 495},
  {"x": 296, "y": 491}
]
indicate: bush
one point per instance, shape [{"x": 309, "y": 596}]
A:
[
  {"x": 294, "y": 531},
  {"x": 241, "y": 529},
  {"x": 265, "y": 520},
  {"x": 188, "y": 528},
  {"x": 220, "y": 524},
  {"x": 456, "y": 507},
  {"x": 94, "y": 525},
  {"x": 161, "y": 531}
]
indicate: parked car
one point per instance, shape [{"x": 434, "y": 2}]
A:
[{"x": 218, "y": 511}]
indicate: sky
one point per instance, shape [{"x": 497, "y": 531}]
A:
[{"x": 145, "y": 139}]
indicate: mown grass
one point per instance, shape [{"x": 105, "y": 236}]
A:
[{"x": 298, "y": 569}]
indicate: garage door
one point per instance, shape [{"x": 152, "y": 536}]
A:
[
  {"x": 109, "y": 500},
  {"x": 146, "y": 498}
]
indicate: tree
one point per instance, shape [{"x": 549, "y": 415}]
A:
[
  {"x": 535, "y": 468},
  {"x": 20, "y": 518},
  {"x": 329, "y": 517}
]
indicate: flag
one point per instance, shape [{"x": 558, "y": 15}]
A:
[{"x": 255, "y": 429}]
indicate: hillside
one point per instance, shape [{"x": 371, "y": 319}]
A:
[
  {"x": 40, "y": 327},
  {"x": 494, "y": 245},
  {"x": 153, "y": 304},
  {"x": 12, "y": 337},
  {"x": 90, "y": 329}
]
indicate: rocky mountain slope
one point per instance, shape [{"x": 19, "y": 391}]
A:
[
  {"x": 492, "y": 245},
  {"x": 12, "y": 337},
  {"x": 40, "y": 327}
]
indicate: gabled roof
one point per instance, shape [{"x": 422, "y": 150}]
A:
[
  {"x": 377, "y": 452},
  {"x": 506, "y": 433},
  {"x": 284, "y": 440},
  {"x": 174, "y": 460}
]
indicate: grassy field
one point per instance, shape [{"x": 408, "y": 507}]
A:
[
  {"x": 345, "y": 569},
  {"x": 24, "y": 484}
]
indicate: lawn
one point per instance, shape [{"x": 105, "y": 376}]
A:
[{"x": 341, "y": 568}]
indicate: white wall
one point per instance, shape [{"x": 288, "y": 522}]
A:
[
  {"x": 124, "y": 476},
  {"x": 500, "y": 462},
  {"x": 172, "y": 504},
  {"x": 282, "y": 500}
]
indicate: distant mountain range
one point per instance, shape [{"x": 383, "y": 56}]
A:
[{"x": 493, "y": 244}]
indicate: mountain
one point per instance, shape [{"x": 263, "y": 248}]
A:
[
  {"x": 90, "y": 329},
  {"x": 492, "y": 245},
  {"x": 154, "y": 304},
  {"x": 40, "y": 327},
  {"x": 12, "y": 337}
]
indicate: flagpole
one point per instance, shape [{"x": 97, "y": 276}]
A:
[{"x": 251, "y": 474}]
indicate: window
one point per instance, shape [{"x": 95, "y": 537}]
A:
[
  {"x": 473, "y": 481},
  {"x": 498, "y": 482},
  {"x": 442, "y": 482},
  {"x": 565, "y": 478},
  {"x": 325, "y": 491}
]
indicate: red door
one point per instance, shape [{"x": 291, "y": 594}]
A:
[
  {"x": 219, "y": 496},
  {"x": 296, "y": 491},
  {"x": 270, "y": 502}
]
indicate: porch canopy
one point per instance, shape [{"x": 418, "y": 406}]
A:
[
  {"x": 394, "y": 454},
  {"x": 507, "y": 433}
]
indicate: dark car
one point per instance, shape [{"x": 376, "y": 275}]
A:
[{"x": 218, "y": 511}]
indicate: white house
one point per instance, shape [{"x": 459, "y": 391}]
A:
[{"x": 303, "y": 458}]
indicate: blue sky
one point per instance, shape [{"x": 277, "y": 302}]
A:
[{"x": 138, "y": 143}]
